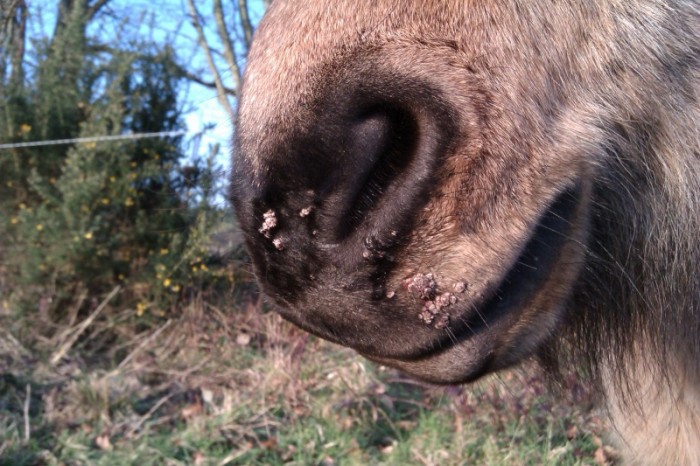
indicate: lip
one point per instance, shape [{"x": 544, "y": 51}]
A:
[
  {"x": 474, "y": 348},
  {"x": 530, "y": 271},
  {"x": 474, "y": 324},
  {"x": 521, "y": 285}
]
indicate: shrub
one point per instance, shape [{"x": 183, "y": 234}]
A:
[{"x": 79, "y": 219}]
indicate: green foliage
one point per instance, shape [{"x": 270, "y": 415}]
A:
[{"x": 78, "y": 220}]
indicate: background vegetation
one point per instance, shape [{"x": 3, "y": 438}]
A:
[{"x": 131, "y": 330}]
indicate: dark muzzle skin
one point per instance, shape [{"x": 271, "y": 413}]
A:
[
  {"x": 383, "y": 210},
  {"x": 327, "y": 226}
]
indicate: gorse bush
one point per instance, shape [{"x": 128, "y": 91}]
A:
[{"x": 79, "y": 219}]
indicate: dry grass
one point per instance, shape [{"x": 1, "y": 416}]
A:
[{"x": 220, "y": 385}]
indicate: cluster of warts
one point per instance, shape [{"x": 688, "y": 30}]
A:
[
  {"x": 420, "y": 286},
  {"x": 269, "y": 224},
  {"x": 434, "y": 311}
]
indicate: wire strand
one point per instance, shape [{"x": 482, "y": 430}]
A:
[{"x": 116, "y": 137}]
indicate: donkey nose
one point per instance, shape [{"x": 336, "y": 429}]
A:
[{"x": 338, "y": 191}]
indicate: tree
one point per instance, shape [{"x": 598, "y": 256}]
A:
[{"x": 79, "y": 219}]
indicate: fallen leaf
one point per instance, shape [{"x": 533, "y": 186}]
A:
[
  {"x": 243, "y": 339},
  {"x": 191, "y": 410},
  {"x": 269, "y": 444},
  {"x": 103, "y": 443},
  {"x": 387, "y": 449},
  {"x": 600, "y": 457},
  {"x": 207, "y": 396}
]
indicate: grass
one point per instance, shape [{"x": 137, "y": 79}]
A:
[{"x": 240, "y": 386}]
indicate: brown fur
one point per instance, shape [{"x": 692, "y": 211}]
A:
[{"x": 520, "y": 105}]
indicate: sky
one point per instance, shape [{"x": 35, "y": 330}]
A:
[{"x": 167, "y": 21}]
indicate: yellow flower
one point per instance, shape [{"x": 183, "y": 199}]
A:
[
  {"x": 133, "y": 164},
  {"x": 140, "y": 308},
  {"x": 112, "y": 179},
  {"x": 204, "y": 267},
  {"x": 90, "y": 145},
  {"x": 105, "y": 201},
  {"x": 120, "y": 277},
  {"x": 163, "y": 251},
  {"x": 24, "y": 128},
  {"x": 14, "y": 220},
  {"x": 166, "y": 282},
  {"x": 22, "y": 205},
  {"x": 194, "y": 268},
  {"x": 175, "y": 288},
  {"x": 88, "y": 235},
  {"x": 39, "y": 227},
  {"x": 129, "y": 202}
]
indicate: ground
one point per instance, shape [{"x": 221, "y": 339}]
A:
[{"x": 226, "y": 386}]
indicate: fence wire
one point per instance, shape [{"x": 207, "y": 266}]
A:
[{"x": 116, "y": 137}]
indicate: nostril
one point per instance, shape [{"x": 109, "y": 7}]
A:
[
  {"x": 381, "y": 146},
  {"x": 370, "y": 134}
]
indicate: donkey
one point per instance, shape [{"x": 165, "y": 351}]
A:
[{"x": 451, "y": 187}]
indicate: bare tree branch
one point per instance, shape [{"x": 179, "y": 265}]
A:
[
  {"x": 95, "y": 8},
  {"x": 245, "y": 22},
  {"x": 220, "y": 89},
  {"x": 17, "y": 76},
  {"x": 210, "y": 84},
  {"x": 229, "y": 51},
  {"x": 13, "y": 26}
]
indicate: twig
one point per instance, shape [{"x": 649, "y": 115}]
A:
[
  {"x": 72, "y": 316},
  {"x": 27, "y": 426},
  {"x": 143, "y": 344},
  {"x": 146, "y": 416},
  {"x": 221, "y": 317},
  {"x": 234, "y": 456},
  {"x": 61, "y": 352},
  {"x": 199, "y": 80},
  {"x": 16, "y": 344},
  {"x": 181, "y": 374}
]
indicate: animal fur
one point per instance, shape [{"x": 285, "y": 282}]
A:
[{"x": 462, "y": 139}]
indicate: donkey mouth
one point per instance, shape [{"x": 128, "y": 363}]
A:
[
  {"x": 390, "y": 331},
  {"x": 539, "y": 259},
  {"x": 472, "y": 345}
]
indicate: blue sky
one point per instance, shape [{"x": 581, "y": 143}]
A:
[{"x": 166, "y": 21}]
